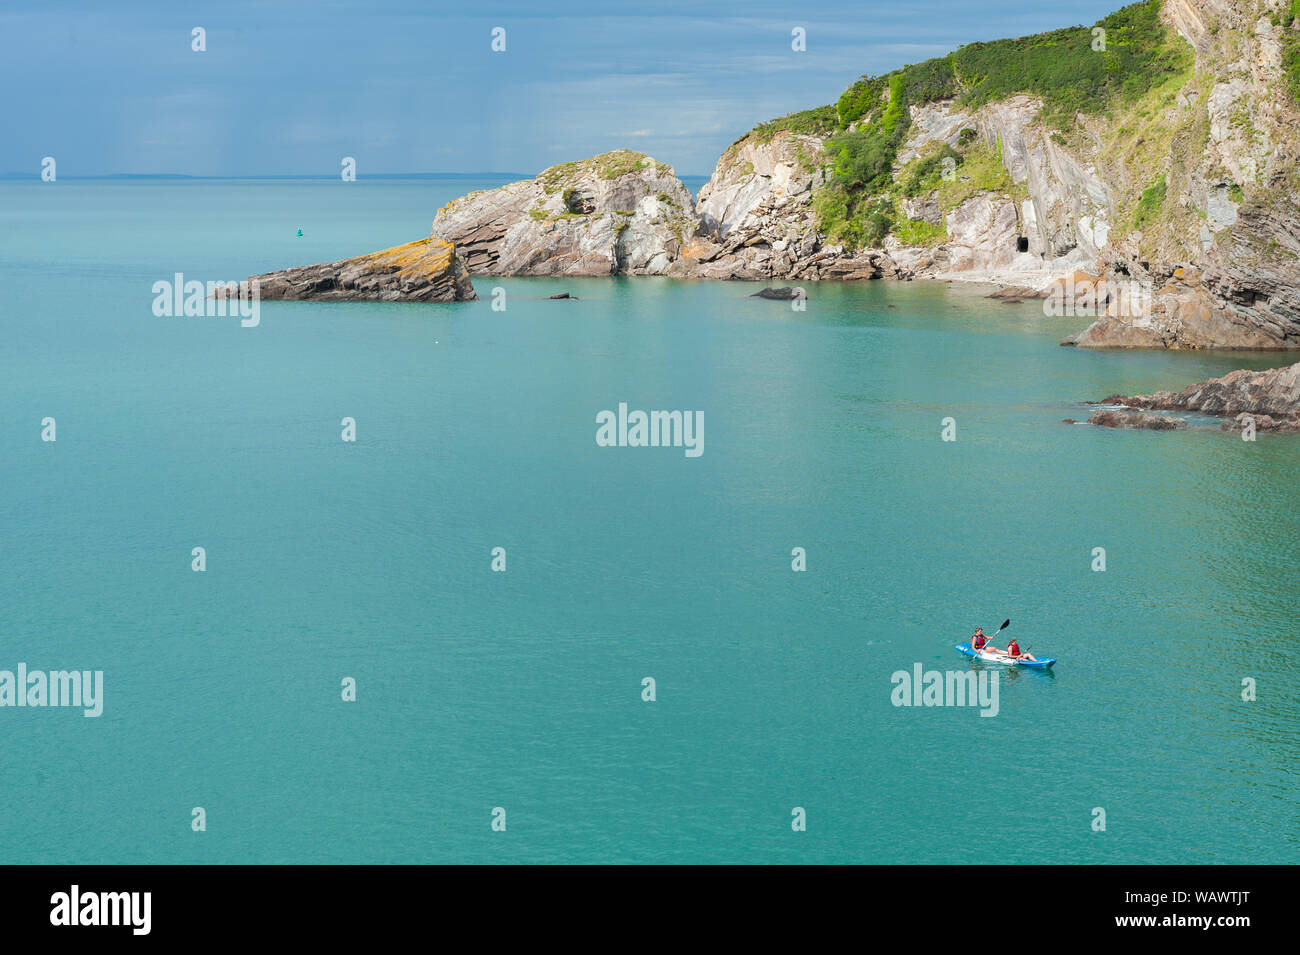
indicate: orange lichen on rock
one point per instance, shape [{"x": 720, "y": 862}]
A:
[{"x": 426, "y": 270}]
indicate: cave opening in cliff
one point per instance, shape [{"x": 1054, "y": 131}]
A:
[{"x": 1022, "y": 243}]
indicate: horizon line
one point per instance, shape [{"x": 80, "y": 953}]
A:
[{"x": 21, "y": 176}]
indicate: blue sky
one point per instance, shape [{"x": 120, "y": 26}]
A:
[{"x": 406, "y": 87}]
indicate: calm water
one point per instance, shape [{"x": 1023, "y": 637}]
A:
[{"x": 523, "y": 690}]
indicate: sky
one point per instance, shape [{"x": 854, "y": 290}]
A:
[{"x": 292, "y": 87}]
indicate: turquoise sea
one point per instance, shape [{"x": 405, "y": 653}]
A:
[{"x": 522, "y": 689}]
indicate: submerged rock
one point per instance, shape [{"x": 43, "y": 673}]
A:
[
  {"x": 427, "y": 270},
  {"x": 784, "y": 294},
  {"x": 1020, "y": 292}
]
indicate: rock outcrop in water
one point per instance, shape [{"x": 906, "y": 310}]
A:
[
  {"x": 1114, "y": 418},
  {"x": 620, "y": 213},
  {"x": 427, "y": 270},
  {"x": 1271, "y": 398}
]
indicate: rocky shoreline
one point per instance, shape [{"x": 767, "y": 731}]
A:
[
  {"x": 1212, "y": 243},
  {"x": 1205, "y": 256},
  {"x": 624, "y": 213},
  {"x": 1265, "y": 400}
]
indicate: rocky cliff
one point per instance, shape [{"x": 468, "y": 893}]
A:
[
  {"x": 620, "y": 213},
  {"x": 756, "y": 218},
  {"x": 1155, "y": 151},
  {"x": 1223, "y": 253},
  {"x": 1171, "y": 174},
  {"x": 1153, "y": 156}
]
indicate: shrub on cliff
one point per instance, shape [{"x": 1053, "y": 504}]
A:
[
  {"x": 926, "y": 173},
  {"x": 1149, "y": 206},
  {"x": 808, "y": 122},
  {"x": 1291, "y": 50}
]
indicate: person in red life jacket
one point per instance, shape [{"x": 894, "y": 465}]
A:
[
  {"x": 1013, "y": 651},
  {"x": 980, "y": 642}
]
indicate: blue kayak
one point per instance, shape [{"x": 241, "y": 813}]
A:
[{"x": 1003, "y": 658}]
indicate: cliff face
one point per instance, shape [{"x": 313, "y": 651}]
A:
[
  {"x": 1050, "y": 216},
  {"x": 1183, "y": 195},
  {"x": 1225, "y": 255},
  {"x": 756, "y": 218},
  {"x": 754, "y": 171}
]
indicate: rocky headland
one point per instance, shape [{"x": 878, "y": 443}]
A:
[{"x": 1158, "y": 153}]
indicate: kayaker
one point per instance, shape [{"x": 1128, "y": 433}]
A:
[
  {"x": 1013, "y": 651},
  {"x": 980, "y": 642}
]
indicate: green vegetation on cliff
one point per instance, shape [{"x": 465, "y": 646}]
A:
[
  {"x": 610, "y": 165},
  {"x": 1291, "y": 50},
  {"x": 1077, "y": 69},
  {"x": 1152, "y": 201},
  {"x": 1089, "y": 70},
  {"x": 927, "y": 172},
  {"x": 809, "y": 122},
  {"x": 981, "y": 170}
]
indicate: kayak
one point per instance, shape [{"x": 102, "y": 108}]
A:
[{"x": 1003, "y": 658}]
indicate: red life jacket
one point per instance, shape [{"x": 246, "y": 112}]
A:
[
  {"x": 1013, "y": 648},
  {"x": 980, "y": 641}
]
